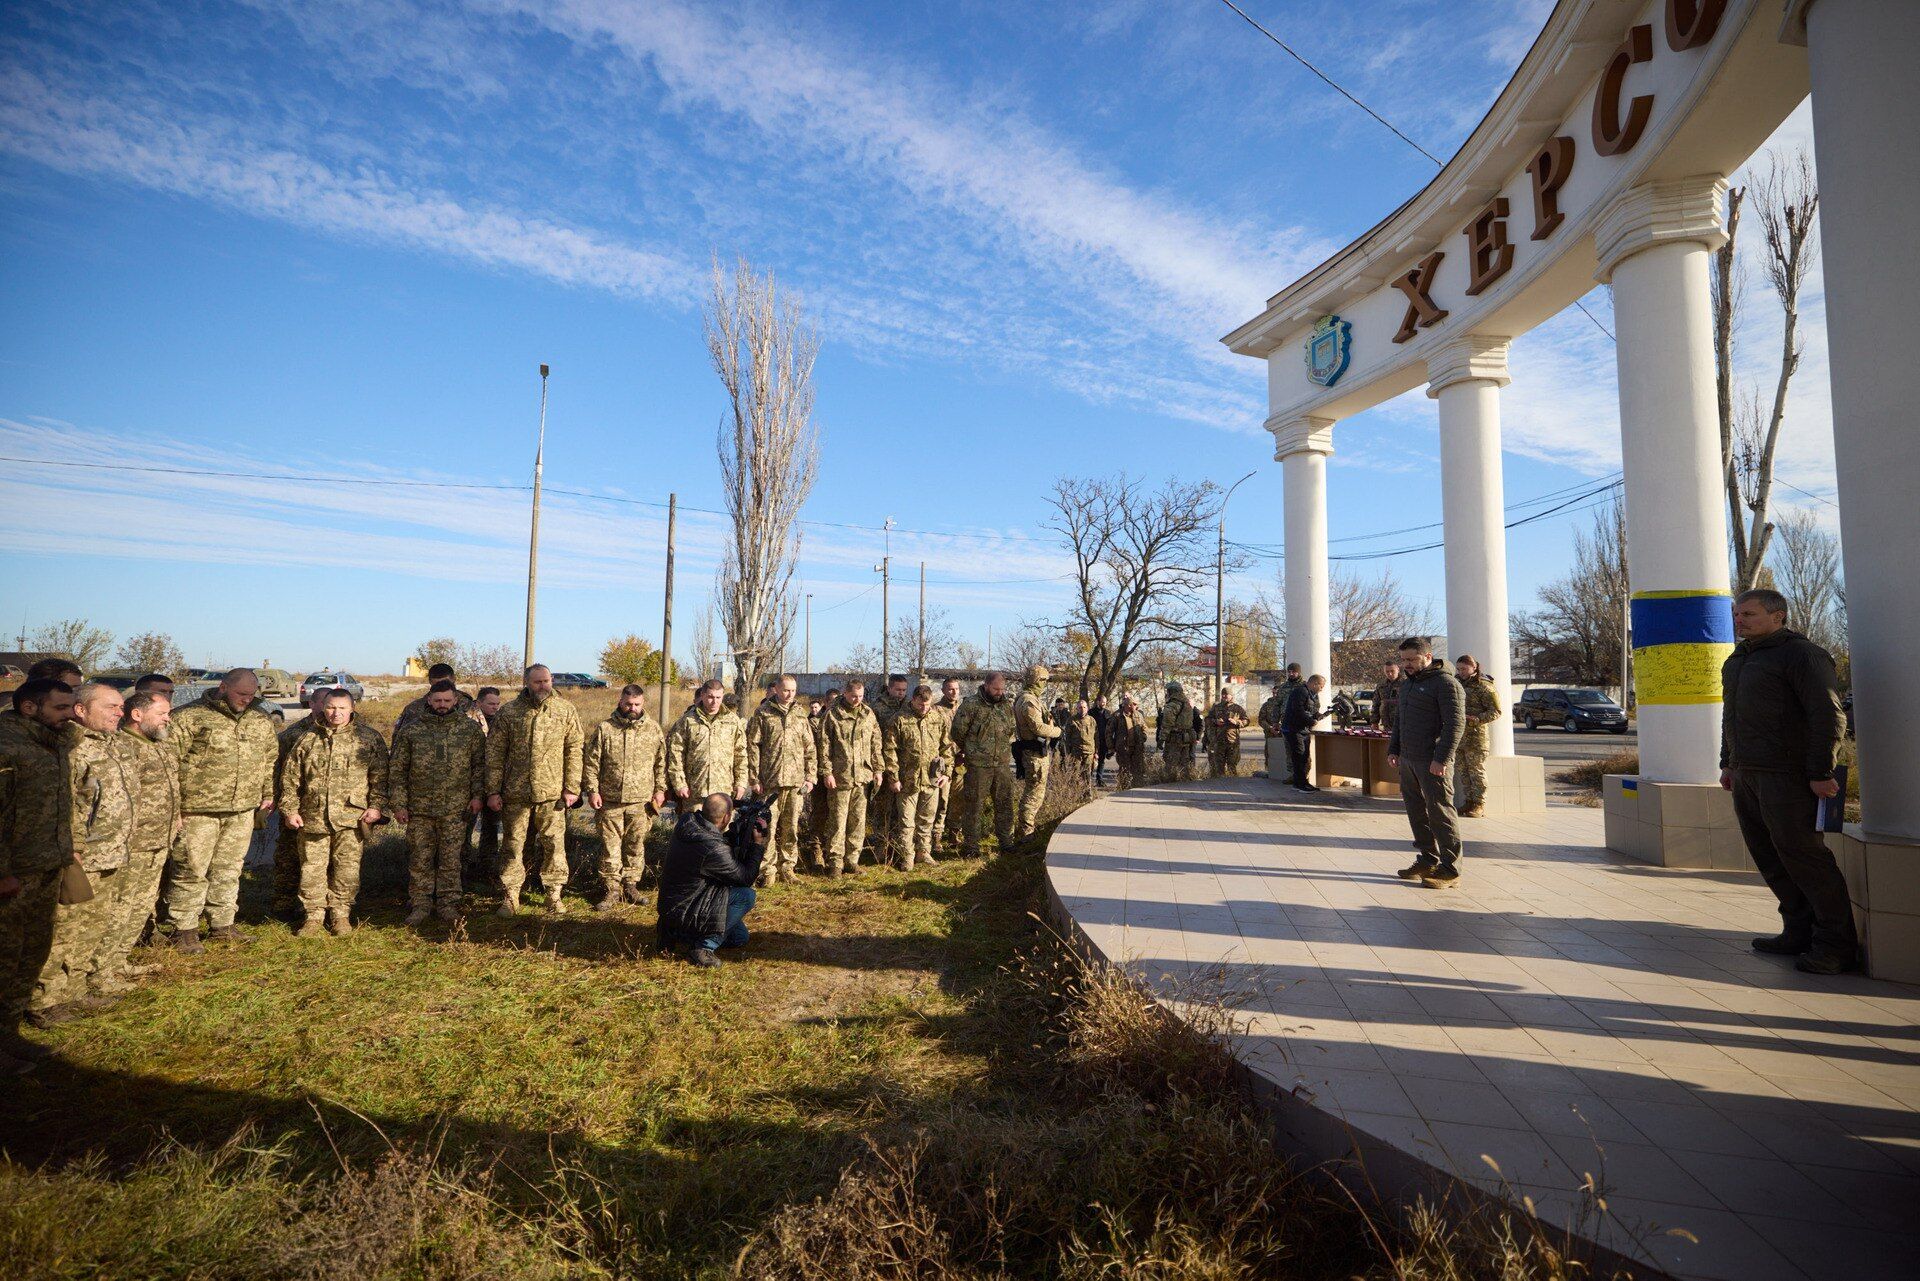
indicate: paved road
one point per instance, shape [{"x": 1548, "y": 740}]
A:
[{"x": 1563, "y": 750}]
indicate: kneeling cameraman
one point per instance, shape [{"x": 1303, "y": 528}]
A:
[{"x": 706, "y": 880}]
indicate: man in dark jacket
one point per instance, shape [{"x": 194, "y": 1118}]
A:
[
  {"x": 706, "y": 881},
  {"x": 1296, "y": 725},
  {"x": 1779, "y": 732},
  {"x": 1103, "y": 745},
  {"x": 1432, "y": 718}
]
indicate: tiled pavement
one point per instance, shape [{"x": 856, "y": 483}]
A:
[{"x": 1563, "y": 1012}]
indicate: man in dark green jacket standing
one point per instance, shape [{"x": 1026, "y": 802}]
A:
[
  {"x": 1780, "y": 728},
  {"x": 1433, "y": 716}
]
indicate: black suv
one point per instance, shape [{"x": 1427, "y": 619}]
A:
[{"x": 1573, "y": 710}]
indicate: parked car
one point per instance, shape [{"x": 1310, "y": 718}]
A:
[
  {"x": 1573, "y": 710},
  {"x": 277, "y": 683},
  {"x": 329, "y": 680},
  {"x": 576, "y": 680}
]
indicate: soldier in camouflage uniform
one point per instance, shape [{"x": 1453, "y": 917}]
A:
[
  {"x": 1127, "y": 733},
  {"x": 916, "y": 755},
  {"x": 817, "y": 815},
  {"x": 887, "y": 709},
  {"x": 156, "y": 821},
  {"x": 1032, "y": 725},
  {"x": 1386, "y": 697},
  {"x": 227, "y": 750},
  {"x": 1470, "y": 763},
  {"x": 848, "y": 755},
  {"x": 102, "y": 787},
  {"x": 707, "y": 750},
  {"x": 286, "y": 845},
  {"x": 624, "y": 778},
  {"x": 782, "y": 760},
  {"x": 948, "y": 707},
  {"x": 463, "y": 703},
  {"x": 34, "y": 847},
  {"x": 333, "y": 790},
  {"x": 983, "y": 742},
  {"x": 534, "y": 758},
  {"x": 1080, "y": 740},
  {"x": 1225, "y": 720},
  {"x": 435, "y": 780},
  {"x": 1173, "y": 732},
  {"x": 1270, "y": 713}
]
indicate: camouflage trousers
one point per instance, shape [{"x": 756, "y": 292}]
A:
[
  {"x": 882, "y": 814},
  {"x": 985, "y": 783},
  {"x": 1132, "y": 767},
  {"x": 1178, "y": 756},
  {"x": 436, "y": 847},
  {"x": 819, "y": 821},
  {"x": 1223, "y": 760},
  {"x": 1470, "y": 774},
  {"x": 546, "y": 824},
  {"x": 134, "y": 901},
  {"x": 914, "y": 811},
  {"x": 203, "y": 871},
  {"x": 943, "y": 810},
  {"x": 846, "y": 825},
  {"x": 26, "y": 935},
  {"x": 330, "y": 868},
  {"x": 286, "y": 870},
  {"x": 783, "y": 844},
  {"x": 77, "y": 928},
  {"x": 623, "y": 842},
  {"x": 1033, "y": 794}
]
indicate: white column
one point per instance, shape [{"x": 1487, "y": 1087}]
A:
[
  {"x": 1654, "y": 245},
  {"x": 1301, "y": 447},
  {"x": 1464, "y": 379},
  {"x": 1866, "y": 114}
]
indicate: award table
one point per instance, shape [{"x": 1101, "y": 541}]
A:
[{"x": 1339, "y": 757}]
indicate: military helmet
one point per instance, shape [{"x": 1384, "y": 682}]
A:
[
  {"x": 1175, "y": 687},
  {"x": 1037, "y": 675}
]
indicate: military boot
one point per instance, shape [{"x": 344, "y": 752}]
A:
[
  {"x": 418, "y": 916},
  {"x": 556, "y": 903},
  {"x": 311, "y": 928},
  {"x": 609, "y": 899},
  {"x": 630, "y": 891},
  {"x": 447, "y": 912},
  {"x": 188, "y": 940},
  {"x": 510, "y": 905},
  {"x": 339, "y": 921},
  {"x": 227, "y": 934}
]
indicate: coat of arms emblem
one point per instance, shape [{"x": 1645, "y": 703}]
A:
[{"x": 1328, "y": 349}]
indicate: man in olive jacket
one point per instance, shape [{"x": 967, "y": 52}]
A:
[
  {"x": 333, "y": 789},
  {"x": 534, "y": 759},
  {"x": 227, "y": 748},
  {"x": 782, "y": 760},
  {"x": 1433, "y": 716},
  {"x": 1780, "y": 727},
  {"x": 625, "y": 782}
]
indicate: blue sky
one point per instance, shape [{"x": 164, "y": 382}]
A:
[{"x": 278, "y": 237}]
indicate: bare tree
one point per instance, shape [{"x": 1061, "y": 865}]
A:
[
  {"x": 486, "y": 662},
  {"x": 942, "y": 642},
  {"x": 1141, "y": 557},
  {"x": 1729, "y": 285},
  {"x": 151, "y": 652},
  {"x": 73, "y": 638},
  {"x": 1786, "y": 200},
  {"x": 1577, "y": 635},
  {"x": 706, "y": 655},
  {"x": 1369, "y": 618},
  {"x": 1806, "y": 570},
  {"x": 763, "y": 349}
]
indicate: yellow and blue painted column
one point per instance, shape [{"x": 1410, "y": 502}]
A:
[{"x": 1680, "y": 641}]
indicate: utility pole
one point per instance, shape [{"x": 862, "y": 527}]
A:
[
  {"x": 666, "y": 625},
  {"x": 533, "y": 540},
  {"x": 885, "y": 568},
  {"x": 923, "y": 621},
  {"x": 989, "y": 646},
  {"x": 1220, "y": 596},
  {"x": 809, "y": 654}
]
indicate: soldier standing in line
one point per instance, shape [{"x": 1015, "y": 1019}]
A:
[
  {"x": 624, "y": 778},
  {"x": 1470, "y": 765},
  {"x": 102, "y": 786},
  {"x": 887, "y": 709},
  {"x": 413, "y": 711},
  {"x": 1080, "y": 740},
  {"x": 533, "y": 765},
  {"x": 983, "y": 742},
  {"x": 1034, "y": 734},
  {"x": 1102, "y": 747},
  {"x": 436, "y": 778},
  {"x": 1128, "y": 734},
  {"x": 707, "y": 750},
  {"x": 916, "y": 754},
  {"x": 1173, "y": 732},
  {"x": 1386, "y": 697},
  {"x": 848, "y": 754},
  {"x": 286, "y": 845},
  {"x": 34, "y": 849},
  {"x": 156, "y": 682},
  {"x": 332, "y": 791},
  {"x": 156, "y": 821},
  {"x": 782, "y": 761},
  {"x": 227, "y": 750},
  {"x": 1225, "y": 720},
  {"x": 944, "y": 795},
  {"x": 484, "y": 861},
  {"x": 817, "y": 816}
]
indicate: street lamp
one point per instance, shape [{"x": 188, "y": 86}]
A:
[
  {"x": 1220, "y": 596},
  {"x": 533, "y": 536}
]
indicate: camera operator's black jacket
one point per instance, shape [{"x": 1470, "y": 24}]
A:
[{"x": 699, "y": 869}]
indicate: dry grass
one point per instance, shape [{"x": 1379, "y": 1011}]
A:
[{"x": 1587, "y": 775}]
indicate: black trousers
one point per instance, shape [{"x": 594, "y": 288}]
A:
[
  {"x": 1429, "y": 801},
  {"x": 1776, "y": 812},
  {"x": 1299, "y": 749}
]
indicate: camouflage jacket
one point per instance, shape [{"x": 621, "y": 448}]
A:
[
  {"x": 947, "y": 717},
  {"x": 915, "y": 751},
  {"x": 707, "y": 754},
  {"x": 983, "y": 732},
  {"x": 1386, "y": 702},
  {"x": 33, "y": 798},
  {"x": 334, "y": 773},
  {"x": 103, "y": 786},
  {"x": 626, "y": 760},
  {"x": 1271, "y": 712},
  {"x": 438, "y": 766},
  {"x": 886, "y": 711},
  {"x": 1081, "y": 737},
  {"x": 226, "y": 757},
  {"x": 463, "y": 705},
  {"x": 156, "y": 806},
  {"x": 1224, "y": 723},
  {"x": 1030, "y": 719},
  {"x": 1129, "y": 732},
  {"x": 849, "y": 747},
  {"x": 534, "y": 751},
  {"x": 1175, "y": 725},
  {"x": 1483, "y": 709},
  {"x": 780, "y": 747}
]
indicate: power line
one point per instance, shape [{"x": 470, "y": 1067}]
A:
[
  {"x": 1815, "y": 497},
  {"x": 1586, "y": 501},
  {"x": 1606, "y": 482},
  {"x": 1388, "y": 124}
]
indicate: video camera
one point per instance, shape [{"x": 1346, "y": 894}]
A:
[{"x": 751, "y": 819}]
